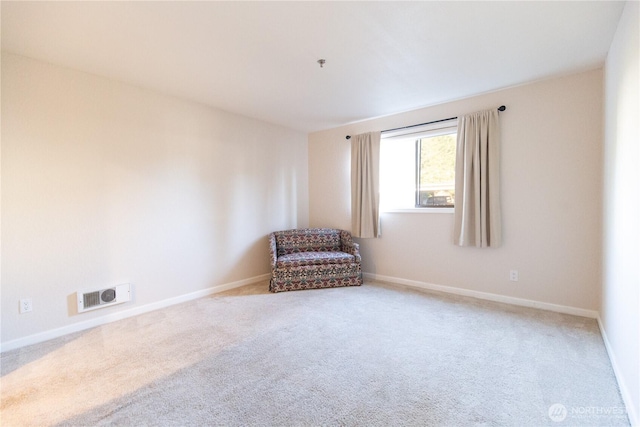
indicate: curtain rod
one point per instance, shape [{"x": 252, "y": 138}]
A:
[{"x": 500, "y": 108}]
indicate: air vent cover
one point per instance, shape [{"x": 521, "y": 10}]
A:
[{"x": 99, "y": 298}]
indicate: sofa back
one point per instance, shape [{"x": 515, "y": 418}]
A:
[{"x": 307, "y": 240}]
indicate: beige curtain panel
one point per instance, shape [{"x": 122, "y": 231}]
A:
[
  {"x": 365, "y": 185},
  {"x": 477, "y": 199}
]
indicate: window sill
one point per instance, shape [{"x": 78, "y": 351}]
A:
[{"x": 420, "y": 210}]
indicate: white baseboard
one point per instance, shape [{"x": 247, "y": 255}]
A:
[
  {"x": 485, "y": 296},
  {"x": 112, "y": 317},
  {"x": 624, "y": 391}
]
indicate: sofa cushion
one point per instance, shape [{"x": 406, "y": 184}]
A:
[
  {"x": 313, "y": 258},
  {"x": 307, "y": 240}
]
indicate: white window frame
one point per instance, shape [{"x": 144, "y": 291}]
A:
[{"x": 434, "y": 129}]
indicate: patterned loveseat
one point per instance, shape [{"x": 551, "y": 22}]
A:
[{"x": 313, "y": 258}]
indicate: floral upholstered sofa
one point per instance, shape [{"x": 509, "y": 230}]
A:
[{"x": 312, "y": 258}]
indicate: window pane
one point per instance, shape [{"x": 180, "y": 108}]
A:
[
  {"x": 397, "y": 174},
  {"x": 436, "y": 171}
]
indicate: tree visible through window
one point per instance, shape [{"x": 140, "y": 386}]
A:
[{"x": 436, "y": 171}]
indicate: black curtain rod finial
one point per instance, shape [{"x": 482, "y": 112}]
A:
[
  {"x": 348, "y": 136},
  {"x": 502, "y": 108}
]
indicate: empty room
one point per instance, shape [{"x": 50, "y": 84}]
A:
[{"x": 258, "y": 213}]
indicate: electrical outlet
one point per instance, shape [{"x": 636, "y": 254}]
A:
[
  {"x": 513, "y": 275},
  {"x": 26, "y": 305}
]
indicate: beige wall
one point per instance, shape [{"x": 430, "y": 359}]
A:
[
  {"x": 105, "y": 183},
  {"x": 621, "y": 278},
  {"x": 551, "y": 193}
]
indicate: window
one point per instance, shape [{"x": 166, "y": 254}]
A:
[{"x": 417, "y": 169}]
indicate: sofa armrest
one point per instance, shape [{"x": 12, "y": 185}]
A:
[
  {"x": 273, "y": 250},
  {"x": 355, "y": 252},
  {"x": 349, "y": 246}
]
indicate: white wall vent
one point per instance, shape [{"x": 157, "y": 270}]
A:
[{"x": 100, "y": 298}]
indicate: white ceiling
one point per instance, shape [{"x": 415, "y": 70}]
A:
[{"x": 259, "y": 58}]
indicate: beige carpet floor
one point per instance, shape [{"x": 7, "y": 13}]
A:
[{"x": 374, "y": 355}]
